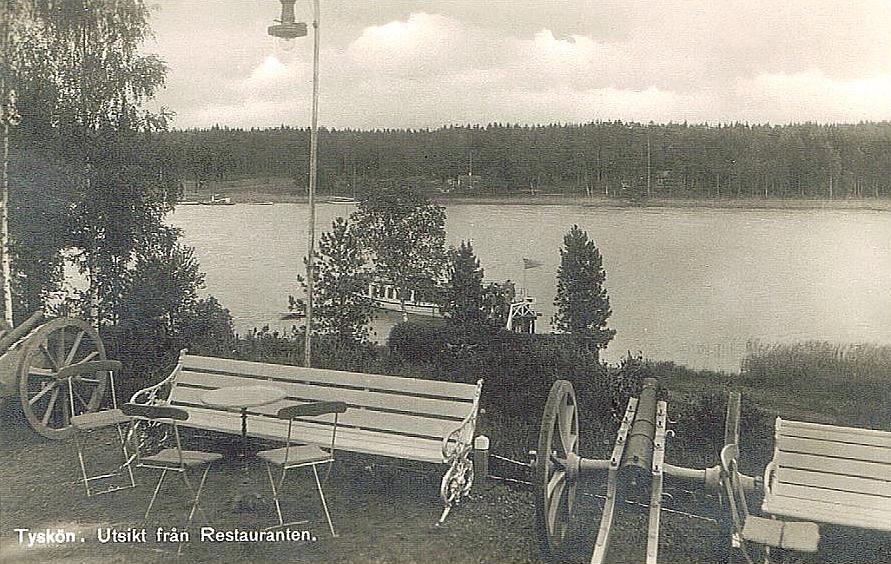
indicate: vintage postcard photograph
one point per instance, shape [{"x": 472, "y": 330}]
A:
[{"x": 449, "y": 281}]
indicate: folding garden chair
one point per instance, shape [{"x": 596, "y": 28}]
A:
[
  {"x": 171, "y": 459},
  {"x": 296, "y": 456},
  {"x": 95, "y": 420},
  {"x": 749, "y": 529}
]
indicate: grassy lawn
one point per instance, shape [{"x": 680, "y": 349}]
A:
[{"x": 385, "y": 514}]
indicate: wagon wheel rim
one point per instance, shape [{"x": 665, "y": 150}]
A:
[
  {"x": 46, "y": 401},
  {"x": 555, "y": 486}
]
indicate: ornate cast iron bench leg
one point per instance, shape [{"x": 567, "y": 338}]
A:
[{"x": 456, "y": 483}]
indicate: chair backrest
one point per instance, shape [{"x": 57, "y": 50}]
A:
[
  {"x": 309, "y": 409},
  {"x": 154, "y": 412},
  {"x": 316, "y": 408},
  {"x": 70, "y": 372}
]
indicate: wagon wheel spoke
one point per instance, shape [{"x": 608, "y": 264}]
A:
[
  {"x": 556, "y": 480},
  {"x": 60, "y": 347},
  {"x": 74, "y": 347},
  {"x": 89, "y": 357},
  {"x": 45, "y": 390},
  {"x": 555, "y": 505},
  {"x": 49, "y": 408},
  {"x": 51, "y": 358},
  {"x": 567, "y": 433}
]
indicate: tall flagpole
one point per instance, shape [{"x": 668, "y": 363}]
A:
[{"x": 313, "y": 174}]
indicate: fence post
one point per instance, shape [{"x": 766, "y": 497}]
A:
[{"x": 480, "y": 462}]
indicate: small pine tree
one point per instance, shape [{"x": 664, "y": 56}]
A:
[
  {"x": 582, "y": 302},
  {"x": 342, "y": 308},
  {"x": 462, "y": 301}
]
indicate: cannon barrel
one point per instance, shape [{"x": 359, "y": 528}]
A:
[
  {"x": 10, "y": 337},
  {"x": 10, "y": 358},
  {"x": 637, "y": 460}
]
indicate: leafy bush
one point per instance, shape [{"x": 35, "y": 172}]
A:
[
  {"x": 149, "y": 348},
  {"x": 419, "y": 339}
]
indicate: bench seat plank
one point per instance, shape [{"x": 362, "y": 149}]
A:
[
  {"x": 849, "y": 499},
  {"x": 428, "y": 388}
]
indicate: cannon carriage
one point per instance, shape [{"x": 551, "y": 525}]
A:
[
  {"x": 57, "y": 368},
  {"x": 635, "y": 468}
]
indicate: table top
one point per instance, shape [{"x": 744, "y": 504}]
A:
[{"x": 242, "y": 397}]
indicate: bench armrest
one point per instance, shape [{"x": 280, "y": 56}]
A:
[
  {"x": 460, "y": 441},
  {"x": 766, "y": 487},
  {"x": 149, "y": 396}
]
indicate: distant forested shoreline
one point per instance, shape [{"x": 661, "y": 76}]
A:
[{"x": 618, "y": 159}]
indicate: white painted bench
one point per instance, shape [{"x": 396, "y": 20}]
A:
[
  {"x": 404, "y": 418},
  {"x": 830, "y": 474}
]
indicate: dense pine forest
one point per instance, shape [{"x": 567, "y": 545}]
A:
[{"x": 609, "y": 158}]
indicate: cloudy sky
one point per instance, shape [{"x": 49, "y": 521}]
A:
[{"x": 415, "y": 63}]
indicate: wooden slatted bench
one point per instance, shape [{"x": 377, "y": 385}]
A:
[
  {"x": 830, "y": 474},
  {"x": 404, "y": 418}
]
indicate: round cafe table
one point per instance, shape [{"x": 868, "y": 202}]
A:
[{"x": 243, "y": 398}]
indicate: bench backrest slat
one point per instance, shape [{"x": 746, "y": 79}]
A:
[
  {"x": 358, "y": 380},
  {"x": 832, "y": 465},
  {"x": 361, "y": 418},
  {"x": 833, "y": 433},
  {"x": 455, "y": 409},
  {"x": 849, "y": 499},
  {"x": 841, "y": 450},
  {"x": 839, "y": 482}
]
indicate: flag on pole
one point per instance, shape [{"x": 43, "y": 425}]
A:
[{"x": 529, "y": 263}]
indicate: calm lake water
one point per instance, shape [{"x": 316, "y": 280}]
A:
[{"x": 689, "y": 285}]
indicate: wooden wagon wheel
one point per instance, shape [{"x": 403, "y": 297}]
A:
[
  {"x": 556, "y": 468},
  {"x": 45, "y": 398}
]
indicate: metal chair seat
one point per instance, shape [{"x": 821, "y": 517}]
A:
[
  {"x": 297, "y": 455},
  {"x": 170, "y": 457},
  {"x": 803, "y": 536}
]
